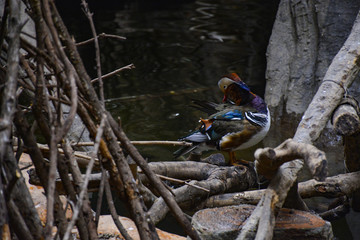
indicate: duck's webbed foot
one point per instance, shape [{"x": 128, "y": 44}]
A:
[{"x": 235, "y": 162}]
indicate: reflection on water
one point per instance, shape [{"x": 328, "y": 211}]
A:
[{"x": 180, "y": 51}]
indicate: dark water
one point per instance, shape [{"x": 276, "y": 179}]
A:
[{"x": 180, "y": 50}]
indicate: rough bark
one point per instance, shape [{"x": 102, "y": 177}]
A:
[
  {"x": 8, "y": 104},
  {"x": 345, "y": 118},
  {"x": 305, "y": 38},
  {"x": 340, "y": 74},
  {"x": 217, "y": 180},
  {"x": 339, "y": 185}
]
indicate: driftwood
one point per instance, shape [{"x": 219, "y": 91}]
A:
[
  {"x": 345, "y": 118},
  {"x": 331, "y": 187},
  {"x": 213, "y": 178},
  {"x": 268, "y": 160},
  {"x": 339, "y": 76}
]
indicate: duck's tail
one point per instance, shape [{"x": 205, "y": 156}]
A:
[
  {"x": 195, "y": 138},
  {"x": 183, "y": 150}
]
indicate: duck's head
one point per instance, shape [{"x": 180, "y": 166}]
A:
[{"x": 234, "y": 89}]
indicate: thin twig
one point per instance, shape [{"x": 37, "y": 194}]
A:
[
  {"x": 86, "y": 180},
  {"x": 113, "y": 213},
  {"x": 97, "y": 49},
  {"x": 51, "y": 184},
  {"x": 46, "y": 149},
  {"x": 101, "y": 35},
  {"x": 182, "y": 182},
  {"x": 156, "y": 142},
  {"x": 127, "y": 67},
  {"x": 74, "y": 102},
  {"x": 100, "y": 196},
  {"x": 69, "y": 70},
  {"x": 160, "y": 94},
  {"x": 85, "y": 221}
]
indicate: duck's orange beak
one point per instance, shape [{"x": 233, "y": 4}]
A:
[{"x": 206, "y": 122}]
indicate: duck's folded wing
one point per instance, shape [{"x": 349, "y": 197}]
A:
[{"x": 256, "y": 118}]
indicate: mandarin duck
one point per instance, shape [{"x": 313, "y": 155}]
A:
[{"x": 240, "y": 122}]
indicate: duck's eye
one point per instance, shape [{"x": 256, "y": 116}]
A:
[{"x": 225, "y": 86}]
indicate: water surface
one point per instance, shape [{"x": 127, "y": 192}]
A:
[{"x": 180, "y": 50}]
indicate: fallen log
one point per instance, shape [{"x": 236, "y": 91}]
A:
[
  {"x": 332, "y": 187},
  {"x": 211, "y": 177},
  {"x": 227, "y": 222}
]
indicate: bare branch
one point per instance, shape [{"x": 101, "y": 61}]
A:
[
  {"x": 112, "y": 209},
  {"x": 100, "y": 196},
  {"x": 51, "y": 185},
  {"x": 101, "y": 35},
  {"x": 127, "y": 67},
  {"x": 156, "y": 142},
  {"x": 86, "y": 180},
  {"x": 182, "y": 182},
  {"x": 97, "y": 48},
  {"x": 8, "y": 101},
  {"x": 156, "y": 182}
]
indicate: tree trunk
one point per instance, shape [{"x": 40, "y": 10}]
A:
[{"x": 305, "y": 38}]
